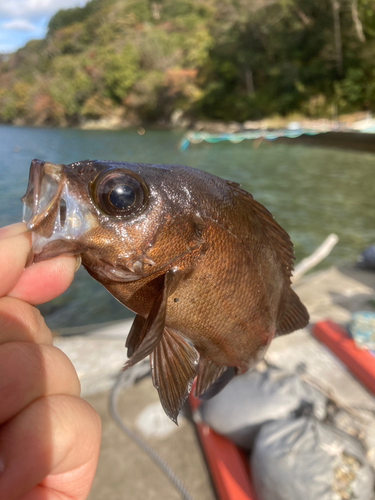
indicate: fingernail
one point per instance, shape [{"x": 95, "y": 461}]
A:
[{"x": 78, "y": 262}]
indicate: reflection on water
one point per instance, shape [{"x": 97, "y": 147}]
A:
[{"x": 311, "y": 192}]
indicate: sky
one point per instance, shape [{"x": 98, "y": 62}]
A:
[{"x": 23, "y": 20}]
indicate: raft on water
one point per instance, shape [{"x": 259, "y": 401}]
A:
[{"x": 236, "y": 137}]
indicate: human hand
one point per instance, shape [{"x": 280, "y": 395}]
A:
[{"x": 49, "y": 437}]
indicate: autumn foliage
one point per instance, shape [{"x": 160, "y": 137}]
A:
[{"x": 221, "y": 59}]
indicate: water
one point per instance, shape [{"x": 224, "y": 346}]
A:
[{"x": 311, "y": 192}]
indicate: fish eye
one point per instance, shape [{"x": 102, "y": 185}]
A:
[{"x": 119, "y": 192}]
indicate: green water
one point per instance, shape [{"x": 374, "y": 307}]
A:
[{"x": 311, "y": 192}]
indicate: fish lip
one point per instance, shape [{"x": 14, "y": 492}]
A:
[
  {"x": 50, "y": 249},
  {"x": 55, "y": 231},
  {"x": 116, "y": 274},
  {"x": 39, "y": 171}
]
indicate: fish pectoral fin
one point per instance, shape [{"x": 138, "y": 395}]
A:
[
  {"x": 174, "y": 364},
  {"x": 143, "y": 340},
  {"x": 134, "y": 336},
  {"x": 294, "y": 316},
  {"x": 212, "y": 378}
]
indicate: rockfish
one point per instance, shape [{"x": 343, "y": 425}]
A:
[{"x": 204, "y": 266}]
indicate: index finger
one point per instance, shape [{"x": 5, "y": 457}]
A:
[{"x": 45, "y": 280}]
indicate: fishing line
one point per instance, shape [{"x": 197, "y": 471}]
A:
[{"x": 113, "y": 398}]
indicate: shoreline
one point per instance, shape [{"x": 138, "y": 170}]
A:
[
  {"x": 349, "y": 132},
  {"x": 354, "y": 131},
  {"x": 349, "y": 122},
  {"x": 354, "y": 121}
]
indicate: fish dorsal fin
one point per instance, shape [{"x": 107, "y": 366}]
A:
[
  {"x": 279, "y": 238},
  {"x": 174, "y": 364},
  {"x": 212, "y": 378},
  {"x": 294, "y": 315},
  {"x": 134, "y": 336},
  {"x": 144, "y": 341}
]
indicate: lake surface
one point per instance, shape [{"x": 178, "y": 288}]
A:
[{"x": 311, "y": 192}]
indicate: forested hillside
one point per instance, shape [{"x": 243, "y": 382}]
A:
[{"x": 218, "y": 59}]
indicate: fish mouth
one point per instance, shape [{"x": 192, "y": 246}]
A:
[{"x": 51, "y": 213}]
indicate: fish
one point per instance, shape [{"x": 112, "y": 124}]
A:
[{"x": 203, "y": 265}]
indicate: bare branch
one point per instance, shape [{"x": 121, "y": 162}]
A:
[
  {"x": 357, "y": 22},
  {"x": 306, "y": 20},
  {"x": 337, "y": 34}
]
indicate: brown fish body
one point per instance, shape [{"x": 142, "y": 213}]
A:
[
  {"x": 203, "y": 265},
  {"x": 227, "y": 313}
]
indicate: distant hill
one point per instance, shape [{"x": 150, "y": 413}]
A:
[{"x": 141, "y": 61}]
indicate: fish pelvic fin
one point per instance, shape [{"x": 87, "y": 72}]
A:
[
  {"x": 294, "y": 315},
  {"x": 174, "y": 364},
  {"x": 212, "y": 378},
  {"x": 145, "y": 335}
]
